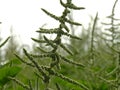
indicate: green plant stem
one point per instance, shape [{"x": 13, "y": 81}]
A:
[{"x": 92, "y": 40}]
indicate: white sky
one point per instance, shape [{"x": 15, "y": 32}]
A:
[{"x": 25, "y": 16}]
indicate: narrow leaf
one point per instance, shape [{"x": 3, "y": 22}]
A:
[{"x": 4, "y": 42}]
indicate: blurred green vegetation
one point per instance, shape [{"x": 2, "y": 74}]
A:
[{"x": 94, "y": 51}]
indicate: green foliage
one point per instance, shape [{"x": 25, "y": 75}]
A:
[
  {"x": 113, "y": 45},
  {"x": 6, "y": 72},
  {"x": 90, "y": 63}
]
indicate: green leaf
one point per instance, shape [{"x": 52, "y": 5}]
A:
[
  {"x": 4, "y": 42},
  {"x": 15, "y": 61},
  {"x": 6, "y": 72}
]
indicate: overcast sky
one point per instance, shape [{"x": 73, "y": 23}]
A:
[{"x": 25, "y": 16}]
